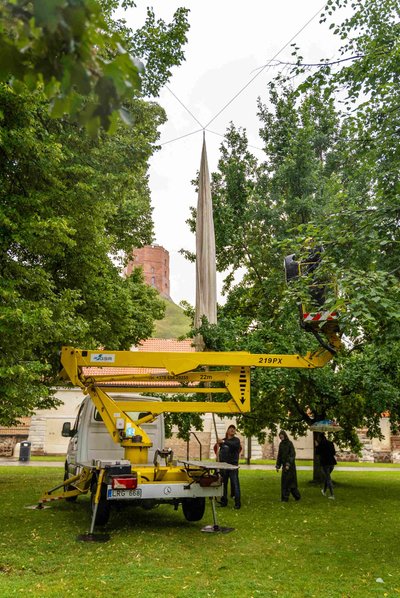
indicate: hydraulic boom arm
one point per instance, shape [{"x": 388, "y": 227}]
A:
[{"x": 183, "y": 373}]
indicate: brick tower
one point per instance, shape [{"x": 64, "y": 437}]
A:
[{"x": 154, "y": 261}]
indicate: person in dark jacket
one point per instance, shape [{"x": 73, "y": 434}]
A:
[
  {"x": 325, "y": 449},
  {"x": 286, "y": 460},
  {"x": 229, "y": 451}
]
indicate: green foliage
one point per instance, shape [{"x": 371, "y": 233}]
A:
[
  {"x": 361, "y": 234},
  {"x": 147, "y": 41},
  {"x": 67, "y": 48},
  {"x": 73, "y": 202},
  {"x": 66, "y": 204},
  {"x": 185, "y": 422},
  {"x": 330, "y": 178},
  {"x": 86, "y": 64},
  {"x": 366, "y": 230}
]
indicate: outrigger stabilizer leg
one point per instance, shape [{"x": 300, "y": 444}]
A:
[
  {"x": 91, "y": 536},
  {"x": 215, "y": 528},
  {"x": 72, "y": 487}
]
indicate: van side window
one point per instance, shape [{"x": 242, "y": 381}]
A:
[
  {"x": 78, "y": 417},
  {"x": 96, "y": 416}
]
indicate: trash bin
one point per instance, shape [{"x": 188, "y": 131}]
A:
[{"x": 25, "y": 451}]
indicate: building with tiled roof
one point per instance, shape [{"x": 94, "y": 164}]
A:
[
  {"x": 45, "y": 428},
  {"x": 151, "y": 345},
  {"x": 9, "y": 437},
  {"x": 165, "y": 344}
]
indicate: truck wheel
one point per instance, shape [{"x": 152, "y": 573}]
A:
[
  {"x": 103, "y": 508},
  {"x": 70, "y": 498},
  {"x": 193, "y": 508}
]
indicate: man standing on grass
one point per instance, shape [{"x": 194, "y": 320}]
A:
[
  {"x": 325, "y": 449},
  {"x": 229, "y": 451},
  {"x": 286, "y": 460}
]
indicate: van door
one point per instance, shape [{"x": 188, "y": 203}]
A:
[
  {"x": 97, "y": 442},
  {"x": 73, "y": 445}
]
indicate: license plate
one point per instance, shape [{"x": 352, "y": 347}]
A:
[{"x": 124, "y": 493}]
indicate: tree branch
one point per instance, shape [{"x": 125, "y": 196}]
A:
[
  {"x": 301, "y": 411},
  {"x": 320, "y": 64}
]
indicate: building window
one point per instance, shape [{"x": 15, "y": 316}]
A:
[{"x": 153, "y": 281}]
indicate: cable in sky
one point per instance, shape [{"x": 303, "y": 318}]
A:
[
  {"x": 261, "y": 70},
  {"x": 182, "y": 136},
  {"x": 185, "y": 107},
  {"x": 265, "y": 66},
  {"x": 221, "y": 135}
]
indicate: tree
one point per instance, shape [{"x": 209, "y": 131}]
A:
[
  {"x": 63, "y": 214},
  {"x": 366, "y": 78},
  {"x": 65, "y": 47},
  {"x": 255, "y": 209},
  {"x": 361, "y": 235},
  {"x": 329, "y": 179},
  {"x": 146, "y": 43},
  {"x": 87, "y": 64},
  {"x": 71, "y": 207}
]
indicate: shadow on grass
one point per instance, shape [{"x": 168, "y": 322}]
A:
[{"x": 128, "y": 517}]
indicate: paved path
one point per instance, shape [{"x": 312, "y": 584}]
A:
[
  {"x": 337, "y": 468},
  {"x": 14, "y": 462}
]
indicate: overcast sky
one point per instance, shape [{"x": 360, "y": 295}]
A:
[{"x": 228, "y": 40}]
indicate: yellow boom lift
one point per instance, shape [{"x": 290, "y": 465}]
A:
[{"x": 166, "y": 480}]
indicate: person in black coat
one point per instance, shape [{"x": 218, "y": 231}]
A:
[
  {"x": 286, "y": 460},
  {"x": 229, "y": 450},
  {"x": 325, "y": 449}
]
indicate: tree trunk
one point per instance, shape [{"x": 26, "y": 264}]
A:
[
  {"x": 318, "y": 475},
  {"x": 248, "y": 450}
]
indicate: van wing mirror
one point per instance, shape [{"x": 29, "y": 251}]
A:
[{"x": 67, "y": 431}]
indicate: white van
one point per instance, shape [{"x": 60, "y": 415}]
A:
[
  {"x": 91, "y": 444},
  {"x": 90, "y": 440}
]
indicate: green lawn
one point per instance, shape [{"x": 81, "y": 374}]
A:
[{"x": 316, "y": 547}]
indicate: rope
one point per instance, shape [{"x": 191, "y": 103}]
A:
[
  {"x": 185, "y": 107},
  {"x": 261, "y": 70},
  {"x": 221, "y": 135},
  {"x": 182, "y": 137},
  {"x": 204, "y": 130},
  {"x": 266, "y": 65}
]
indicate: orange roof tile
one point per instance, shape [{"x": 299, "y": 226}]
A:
[
  {"x": 21, "y": 428},
  {"x": 165, "y": 344},
  {"x": 151, "y": 345}
]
